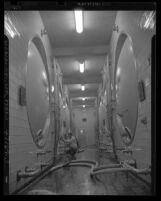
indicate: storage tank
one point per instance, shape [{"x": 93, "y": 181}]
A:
[
  {"x": 131, "y": 45},
  {"x": 37, "y": 92}
]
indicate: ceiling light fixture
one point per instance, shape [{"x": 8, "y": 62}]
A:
[
  {"x": 82, "y": 87},
  {"x": 84, "y": 106},
  {"x": 29, "y": 53},
  {"x": 83, "y": 99},
  {"x": 10, "y": 28},
  {"x": 52, "y": 88},
  {"x": 118, "y": 72},
  {"x": 148, "y": 20},
  {"x": 44, "y": 75},
  {"x": 79, "y": 21},
  {"x": 81, "y": 68}
]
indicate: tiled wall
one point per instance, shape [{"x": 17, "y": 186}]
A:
[
  {"x": 29, "y": 24},
  {"x": 128, "y": 23}
]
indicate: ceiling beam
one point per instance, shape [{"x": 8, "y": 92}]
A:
[
  {"x": 82, "y": 108},
  {"x": 82, "y": 79},
  {"x": 86, "y": 98},
  {"x": 74, "y": 105},
  {"x": 81, "y": 51},
  {"x": 83, "y": 94},
  {"x": 86, "y": 102}
]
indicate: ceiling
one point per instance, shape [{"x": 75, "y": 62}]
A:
[{"x": 70, "y": 48}]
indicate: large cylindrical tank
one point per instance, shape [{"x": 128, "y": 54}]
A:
[
  {"x": 126, "y": 92},
  {"x": 37, "y": 92},
  {"x": 131, "y": 81}
]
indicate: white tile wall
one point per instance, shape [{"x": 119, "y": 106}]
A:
[{"x": 20, "y": 137}]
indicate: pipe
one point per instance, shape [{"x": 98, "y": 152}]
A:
[
  {"x": 32, "y": 181},
  {"x": 123, "y": 166},
  {"x": 40, "y": 152},
  {"x": 26, "y": 174},
  {"x": 85, "y": 161},
  {"x": 27, "y": 169},
  {"x": 127, "y": 151},
  {"x": 94, "y": 166},
  {"x": 109, "y": 170},
  {"x": 140, "y": 178},
  {"x": 107, "y": 166},
  {"x": 136, "y": 170},
  {"x": 41, "y": 164}
]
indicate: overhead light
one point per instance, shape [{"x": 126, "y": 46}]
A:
[
  {"x": 44, "y": 75},
  {"x": 81, "y": 68},
  {"x": 148, "y": 20},
  {"x": 79, "y": 21},
  {"x": 52, "y": 88},
  {"x": 29, "y": 53},
  {"x": 118, "y": 72},
  {"x": 10, "y": 28},
  {"x": 84, "y": 106},
  {"x": 82, "y": 87},
  {"x": 83, "y": 99}
]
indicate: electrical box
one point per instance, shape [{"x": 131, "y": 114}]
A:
[
  {"x": 22, "y": 96},
  {"x": 84, "y": 119},
  {"x": 141, "y": 89}
]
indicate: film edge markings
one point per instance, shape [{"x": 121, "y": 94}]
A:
[{"x": 6, "y": 118}]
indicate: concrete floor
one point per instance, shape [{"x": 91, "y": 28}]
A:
[{"x": 76, "y": 180}]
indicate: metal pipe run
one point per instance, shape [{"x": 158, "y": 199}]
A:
[
  {"x": 26, "y": 174},
  {"x": 33, "y": 181},
  {"x": 135, "y": 170}
]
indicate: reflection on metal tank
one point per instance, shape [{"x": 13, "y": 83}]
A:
[
  {"x": 37, "y": 93},
  {"x": 102, "y": 115},
  {"x": 126, "y": 91}
]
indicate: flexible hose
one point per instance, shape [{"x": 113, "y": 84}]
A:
[{"x": 95, "y": 170}]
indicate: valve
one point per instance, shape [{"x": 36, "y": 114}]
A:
[{"x": 144, "y": 120}]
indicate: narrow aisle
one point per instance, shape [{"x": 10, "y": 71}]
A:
[{"x": 78, "y": 118}]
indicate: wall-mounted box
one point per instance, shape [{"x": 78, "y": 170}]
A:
[
  {"x": 22, "y": 96},
  {"x": 84, "y": 119},
  {"x": 141, "y": 90}
]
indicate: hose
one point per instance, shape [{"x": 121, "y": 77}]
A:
[
  {"x": 102, "y": 169},
  {"x": 95, "y": 170}
]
